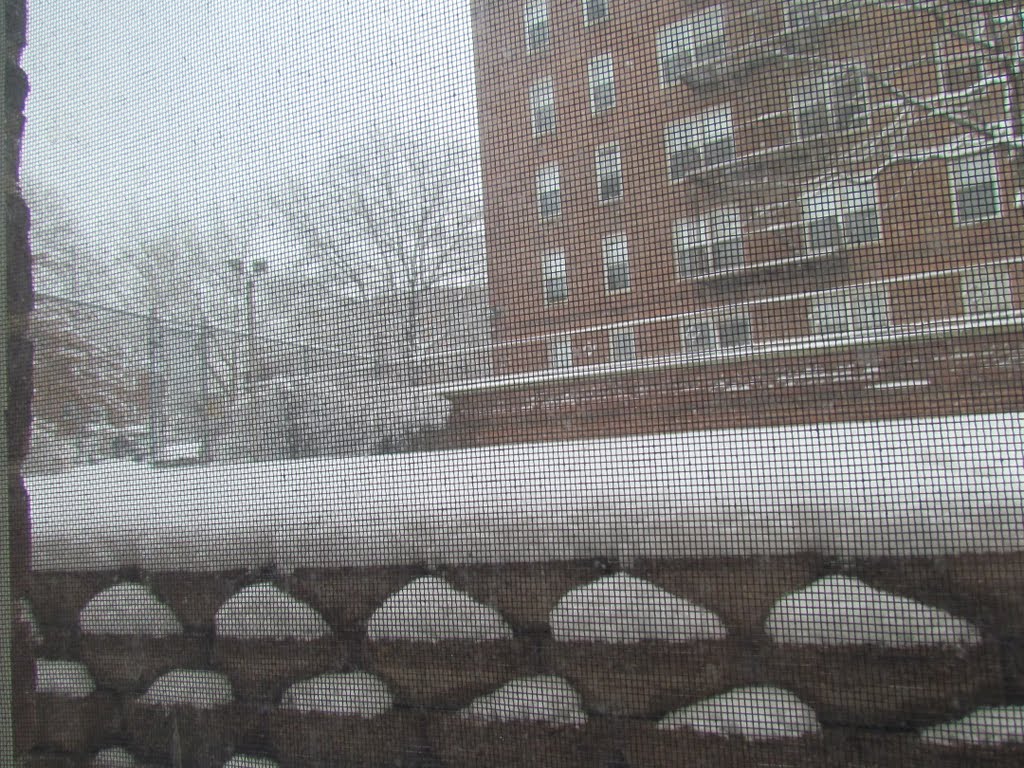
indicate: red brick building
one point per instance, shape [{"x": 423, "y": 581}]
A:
[{"x": 749, "y": 212}]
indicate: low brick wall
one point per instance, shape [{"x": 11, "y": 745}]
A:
[{"x": 870, "y": 700}]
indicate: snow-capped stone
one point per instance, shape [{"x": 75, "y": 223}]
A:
[
  {"x": 264, "y": 612},
  {"x": 63, "y": 678},
  {"x": 543, "y": 698},
  {"x": 626, "y": 609},
  {"x": 357, "y": 694},
  {"x": 990, "y": 726},
  {"x": 197, "y": 688},
  {"x": 840, "y": 610},
  {"x": 128, "y": 609},
  {"x": 429, "y": 609},
  {"x": 757, "y": 713}
]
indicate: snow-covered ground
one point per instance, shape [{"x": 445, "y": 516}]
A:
[
  {"x": 927, "y": 486},
  {"x": 991, "y": 726}
]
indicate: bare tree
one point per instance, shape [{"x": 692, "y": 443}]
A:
[{"x": 386, "y": 225}]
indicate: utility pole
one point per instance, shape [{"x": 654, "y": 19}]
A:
[{"x": 248, "y": 272}]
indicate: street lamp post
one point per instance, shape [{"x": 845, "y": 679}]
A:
[{"x": 248, "y": 272}]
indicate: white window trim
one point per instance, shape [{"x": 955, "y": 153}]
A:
[
  {"x": 679, "y": 37},
  {"x": 826, "y": 11},
  {"x": 840, "y": 191},
  {"x": 600, "y": 72},
  {"x": 560, "y": 352},
  {"x": 802, "y": 93},
  {"x": 536, "y": 11},
  {"x": 950, "y": 176},
  {"x": 710, "y": 227},
  {"x": 542, "y": 93},
  {"x": 853, "y": 301},
  {"x": 587, "y": 21},
  {"x": 544, "y": 176},
  {"x": 617, "y": 165},
  {"x": 615, "y": 335},
  {"x": 700, "y": 131},
  {"x": 715, "y": 320},
  {"x": 987, "y": 273},
  {"x": 554, "y": 267},
  {"x": 622, "y": 246}
]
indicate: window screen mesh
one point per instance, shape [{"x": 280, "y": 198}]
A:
[{"x": 526, "y": 383}]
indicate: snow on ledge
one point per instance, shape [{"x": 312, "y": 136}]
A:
[
  {"x": 128, "y": 609},
  {"x": 989, "y": 726},
  {"x": 197, "y": 688},
  {"x": 757, "y": 713},
  {"x": 358, "y": 694},
  {"x": 249, "y": 761},
  {"x": 896, "y": 488},
  {"x": 543, "y": 698},
  {"x": 840, "y": 610},
  {"x": 625, "y": 609},
  {"x": 114, "y": 757},
  {"x": 429, "y": 609},
  {"x": 63, "y": 678},
  {"x": 264, "y": 612}
]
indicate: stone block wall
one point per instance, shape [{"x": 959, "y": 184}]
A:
[{"x": 871, "y": 701}]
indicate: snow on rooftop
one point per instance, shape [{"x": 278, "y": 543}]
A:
[
  {"x": 543, "y": 698},
  {"x": 991, "y": 726},
  {"x": 757, "y": 713},
  {"x": 909, "y": 487},
  {"x": 358, "y": 694},
  {"x": 197, "y": 688},
  {"x": 430, "y": 609},
  {"x": 114, "y": 757},
  {"x": 626, "y": 609},
  {"x": 262, "y": 611},
  {"x": 250, "y": 761},
  {"x": 840, "y": 610},
  {"x": 128, "y": 609},
  {"x": 63, "y": 678}
]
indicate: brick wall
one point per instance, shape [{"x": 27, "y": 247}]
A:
[{"x": 870, "y": 700}]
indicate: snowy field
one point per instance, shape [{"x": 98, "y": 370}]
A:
[{"x": 925, "y": 487}]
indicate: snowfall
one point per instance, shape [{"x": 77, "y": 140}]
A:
[{"x": 925, "y": 487}]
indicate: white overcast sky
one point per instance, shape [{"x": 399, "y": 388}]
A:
[{"x": 144, "y": 112}]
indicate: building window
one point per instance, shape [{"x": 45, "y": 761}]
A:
[
  {"x": 554, "y": 277},
  {"x": 560, "y": 352},
  {"x": 810, "y": 14},
  {"x": 851, "y": 310},
  {"x": 840, "y": 215},
  {"x": 594, "y": 11},
  {"x": 616, "y": 263},
  {"x": 686, "y": 47},
  {"x": 538, "y": 29},
  {"x": 709, "y": 334},
  {"x": 702, "y": 141},
  {"x": 549, "y": 193},
  {"x": 986, "y": 290},
  {"x": 542, "y": 107},
  {"x": 602, "y": 84},
  {"x": 622, "y": 345},
  {"x": 974, "y": 181},
  {"x": 609, "y": 173},
  {"x": 832, "y": 101},
  {"x": 710, "y": 243}
]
